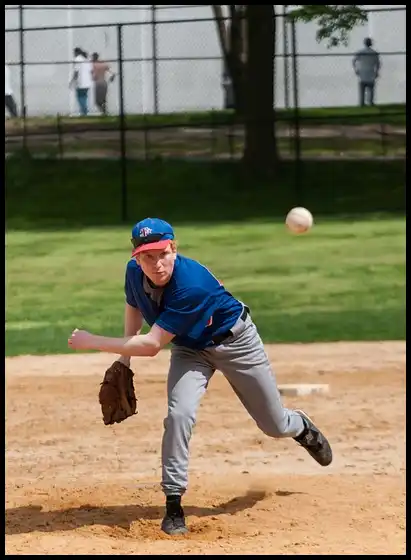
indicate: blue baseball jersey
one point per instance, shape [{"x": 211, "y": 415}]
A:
[{"x": 194, "y": 305}]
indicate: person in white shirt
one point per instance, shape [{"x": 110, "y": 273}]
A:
[
  {"x": 82, "y": 79},
  {"x": 367, "y": 65},
  {"x": 9, "y": 101}
]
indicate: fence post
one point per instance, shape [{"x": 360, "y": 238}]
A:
[
  {"x": 285, "y": 58},
  {"x": 22, "y": 74},
  {"x": 297, "y": 138},
  {"x": 155, "y": 61},
  {"x": 146, "y": 137},
  {"x": 123, "y": 157},
  {"x": 60, "y": 136}
]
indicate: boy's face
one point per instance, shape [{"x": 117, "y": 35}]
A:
[{"x": 158, "y": 265}]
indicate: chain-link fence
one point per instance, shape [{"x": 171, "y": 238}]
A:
[{"x": 170, "y": 96}]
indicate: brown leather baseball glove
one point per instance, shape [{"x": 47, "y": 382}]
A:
[{"x": 117, "y": 397}]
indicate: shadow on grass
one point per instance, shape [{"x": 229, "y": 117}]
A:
[{"x": 61, "y": 195}]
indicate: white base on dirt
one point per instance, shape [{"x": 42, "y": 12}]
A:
[{"x": 301, "y": 389}]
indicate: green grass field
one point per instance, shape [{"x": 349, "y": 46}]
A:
[
  {"x": 343, "y": 281},
  {"x": 391, "y": 114}
]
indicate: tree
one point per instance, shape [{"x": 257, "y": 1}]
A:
[
  {"x": 247, "y": 39},
  {"x": 247, "y": 43},
  {"x": 260, "y": 149}
]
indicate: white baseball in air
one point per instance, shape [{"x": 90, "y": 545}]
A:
[{"x": 299, "y": 220}]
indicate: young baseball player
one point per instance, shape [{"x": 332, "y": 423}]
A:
[{"x": 210, "y": 330}]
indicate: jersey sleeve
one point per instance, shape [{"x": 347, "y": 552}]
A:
[
  {"x": 188, "y": 313},
  {"x": 130, "y": 298}
]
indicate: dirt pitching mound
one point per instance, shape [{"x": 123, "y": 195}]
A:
[{"x": 75, "y": 486}]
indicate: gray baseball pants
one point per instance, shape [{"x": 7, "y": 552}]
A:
[{"x": 243, "y": 361}]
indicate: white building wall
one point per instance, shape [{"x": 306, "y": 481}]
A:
[{"x": 185, "y": 85}]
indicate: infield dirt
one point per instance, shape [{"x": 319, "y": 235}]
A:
[{"x": 75, "y": 486}]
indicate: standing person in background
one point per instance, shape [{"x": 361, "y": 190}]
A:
[
  {"x": 367, "y": 64},
  {"x": 227, "y": 85},
  {"x": 82, "y": 79},
  {"x": 9, "y": 101},
  {"x": 99, "y": 71}
]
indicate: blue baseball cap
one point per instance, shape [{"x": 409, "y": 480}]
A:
[{"x": 150, "y": 234}]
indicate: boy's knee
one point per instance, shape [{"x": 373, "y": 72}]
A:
[{"x": 179, "y": 416}]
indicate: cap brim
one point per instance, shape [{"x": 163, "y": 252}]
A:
[{"x": 157, "y": 245}]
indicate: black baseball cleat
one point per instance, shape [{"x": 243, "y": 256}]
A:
[
  {"x": 314, "y": 441},
  {"x": 174, "y": 522}
]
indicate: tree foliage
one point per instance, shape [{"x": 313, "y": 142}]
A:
[{"x": 334, "y": 22}]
